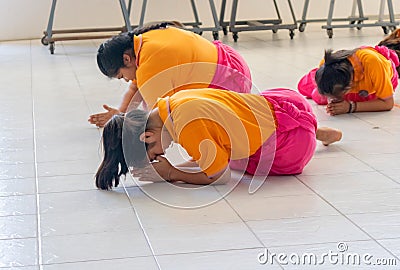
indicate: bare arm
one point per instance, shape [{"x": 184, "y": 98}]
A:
[
  {"x": 199, "y": 178},
  {"x": 376, "y": 105},
  {"x": 187, "y": 164},
  {"x": 131, "y": 94},
  {"x": 131, "y": 98},
  {"x": 164, "y": 171}
]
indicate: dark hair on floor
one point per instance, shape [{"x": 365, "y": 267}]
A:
[
  {"x": 336, "y": 74},
  {"x": 110, "y": 53},
  {"x": 393, "y": 42},
  {"x": 122, "y": 147}
]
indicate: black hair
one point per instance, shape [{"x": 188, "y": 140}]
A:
[
  {"x": 392, "y": 42},
  {"x": 335, "y": 75},
  {"x": 110, "y": 53},
  {"x": 122, "y": 147}
]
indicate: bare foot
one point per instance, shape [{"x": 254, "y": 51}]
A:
[{"x": 328, "y": 135}]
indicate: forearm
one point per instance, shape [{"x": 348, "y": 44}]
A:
[
  {"x": 128, "y": 96},
  {"x": 198, "y": 178},
  {"x": 188, "y": 164},
  {"x": 165, "y": 171},
  {"x": 376, "y": 105}
]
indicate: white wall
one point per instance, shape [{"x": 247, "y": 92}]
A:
[{"x": 26, "y": 19}]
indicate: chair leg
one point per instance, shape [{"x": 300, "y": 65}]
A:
[{"x": 142, "y": 13}]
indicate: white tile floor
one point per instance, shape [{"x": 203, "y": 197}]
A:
[{"x": 52, "y": 217}]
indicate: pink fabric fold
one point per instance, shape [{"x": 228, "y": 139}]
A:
[
  {"x": 232, "y": 72},
  {"x": 292, "y": 145}
]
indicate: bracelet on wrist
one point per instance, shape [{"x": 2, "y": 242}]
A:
[
  {"x": 351, "y": 103},
  {"x": 354, "y": 107}
]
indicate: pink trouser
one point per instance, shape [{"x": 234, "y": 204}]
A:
[
  {"x": 232, "y": 72},
  {"x": 308, "y": 87},
  {"x": 292, "y": 145}
]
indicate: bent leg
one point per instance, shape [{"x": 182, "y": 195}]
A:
[{"x": 295, "y": 135}]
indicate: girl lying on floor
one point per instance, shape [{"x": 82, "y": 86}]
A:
[
  {"x": 359, "y": 80},
  {"x": 272, "y": 133}
]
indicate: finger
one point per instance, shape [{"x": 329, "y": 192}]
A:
[
  {"x": 101, "y": 123},
  {"x": 100, "y": 115},
  {"x": 102, "y": 120},
  {"x": 335, "y": 109},
  {"x": 94, "y": 123},
  {"x": 96, "y": 115},
  {"x": 107, "y": 107},
  {"x": 94, "y": 120},
  {"x": 330, "y": 111}
]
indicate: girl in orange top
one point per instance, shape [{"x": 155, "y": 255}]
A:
[
  {"x": 174, "y": 59},
  {"x": 272, "y": 133},
  {"x": 360, "y": 80}
]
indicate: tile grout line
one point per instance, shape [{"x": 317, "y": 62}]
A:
[
  {"x": 365, "y": 163},
  {"x": 82, "y": 92},
  {"x": 35, "y": 165},
  {"x": 91, "y": 260},
  {"x": 126, "y": 192},
  {"x": 245, "y": 223},
  {"x": 349, "y": 219},
  {"x": 81, "y": 89},
  {"x": 142, "y": 228},
  {"x": 391, "y": 178}
]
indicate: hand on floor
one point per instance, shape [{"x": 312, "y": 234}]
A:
[
  {"x": 338, "y": 107},
  {"x": 100, "y": 119},
  {"x": 157, "y": 171}
]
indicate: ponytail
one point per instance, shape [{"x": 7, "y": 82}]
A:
[
  {"x": 154, "y": 26},
  {"x": 113, "y": 165},
  {"x": 147, "y": 27},
  {"x": 122, "y": 147}
]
